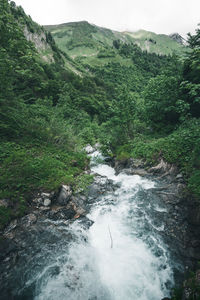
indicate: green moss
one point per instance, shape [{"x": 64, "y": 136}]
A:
[{"x": 179, "y": 148}]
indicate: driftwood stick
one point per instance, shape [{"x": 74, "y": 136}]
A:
[{"x": 111, "y": 240}]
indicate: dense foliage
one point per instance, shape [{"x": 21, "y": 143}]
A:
[{"x": 135, "y": 103}]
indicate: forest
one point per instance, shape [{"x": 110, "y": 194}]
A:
[{"x": 149, "y": 109}]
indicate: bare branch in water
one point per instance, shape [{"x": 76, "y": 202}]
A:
[{"x": 111, "y": 240}]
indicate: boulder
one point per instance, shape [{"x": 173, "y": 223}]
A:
[
  {"x": 45, "y": 195},
  {"x": 85, "y": 222},
  {"x": 62, "y": 214},
  {"x": 179, "y": 176},
  {"x": 47, "y": 202},
  {"x": 89, "y": 149},
  {"x": 64, "y": 195},
  {"x": 138, "y": 171}
]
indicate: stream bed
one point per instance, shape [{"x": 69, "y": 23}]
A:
[{"x": 118, "y": 251}]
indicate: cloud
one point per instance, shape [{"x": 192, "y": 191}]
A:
[{"x": 161, "y": 16}]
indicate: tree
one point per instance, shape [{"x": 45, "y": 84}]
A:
[
  {"x": 161, "y": 96},
  {"x": 191, "y": 75},
  {"x": 120, "y": 127}
]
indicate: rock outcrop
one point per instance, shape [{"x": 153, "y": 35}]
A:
[{"x": 178, "y": 38}]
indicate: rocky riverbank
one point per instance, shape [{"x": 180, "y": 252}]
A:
[
  {"x": 183, "y": 223},
  {"x": 22, "y": 237},
  {"x": 182, "y": 230}
]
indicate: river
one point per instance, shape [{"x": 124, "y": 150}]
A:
[{"x": 121, "y": 256}]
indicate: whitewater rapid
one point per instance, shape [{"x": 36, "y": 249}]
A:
[{"x": 121, "y": 256}]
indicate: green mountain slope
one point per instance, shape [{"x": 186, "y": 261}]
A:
[
  {"x": 42, "y": 40},
  {"x": 156, "y": 43},
  {"x": 94, "y": 45}
]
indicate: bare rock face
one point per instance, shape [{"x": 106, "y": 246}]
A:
[
  {"x": 40, "y": 43},
  {"x": 177, "y": 37},
  {"x": 64, "y": 195}
]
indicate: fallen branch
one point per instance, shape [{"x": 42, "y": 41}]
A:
[{"x": 111, "y": 240}]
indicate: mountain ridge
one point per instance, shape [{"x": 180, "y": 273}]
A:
[{"x": 151, "y": 42}]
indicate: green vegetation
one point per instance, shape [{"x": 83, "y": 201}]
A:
[
  {"x": 156, "y": 43},
  {"x": 39, "y": 148},
  {"x": 95, "y": 44},
  {"x": 137, "y": 104},
  {"x": 170, "y": 110}
]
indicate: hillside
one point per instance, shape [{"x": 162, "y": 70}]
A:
[
  {"x": 77, "y": 85},
  {"x": 156, "y": 43},
  {"x": 42, "y": 40},
  {"x": 94, "y": 45}
]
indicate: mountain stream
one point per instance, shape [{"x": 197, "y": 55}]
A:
[{"x": 120, "y": 255}]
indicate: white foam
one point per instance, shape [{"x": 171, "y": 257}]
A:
[{"x": 114, "y": 264}]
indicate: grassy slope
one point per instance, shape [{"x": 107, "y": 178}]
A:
[
  {"x": 157, "y": 43},
  {"x": 34, "y": 159},
  {"x": 86, "y": 41}
]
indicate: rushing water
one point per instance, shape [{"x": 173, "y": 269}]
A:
[{"x": 122, "y": 256}]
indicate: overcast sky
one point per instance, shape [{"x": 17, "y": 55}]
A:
[{"x": 160, "y": 16}]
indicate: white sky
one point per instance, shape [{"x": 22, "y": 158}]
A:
[{"x": 160, "y": 16}]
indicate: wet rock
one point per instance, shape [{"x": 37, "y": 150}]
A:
[
  {"x": 80, "y": 211},
  {"x": 100, "y": 186},
  {"x": 121, "y": 165},
  {"x": 64, "y": 195},
  {"x": 6, "y": 247},
  {"x": 61, "y": 213},
  {"x": 47, "y": 202},
  {"x": 109, "y": 160},
  {"x": 85, "y": 222},
  {"x": 130, "y": 166},
  {"x": 79, "y": 199},
  {"x": 45, "y": 195},
  {"x": 44, "y": 208},
  {"x": 38, "y": 201},
  {"x": 131, "y": 171},
  {"x": 29, "y": 219}
]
